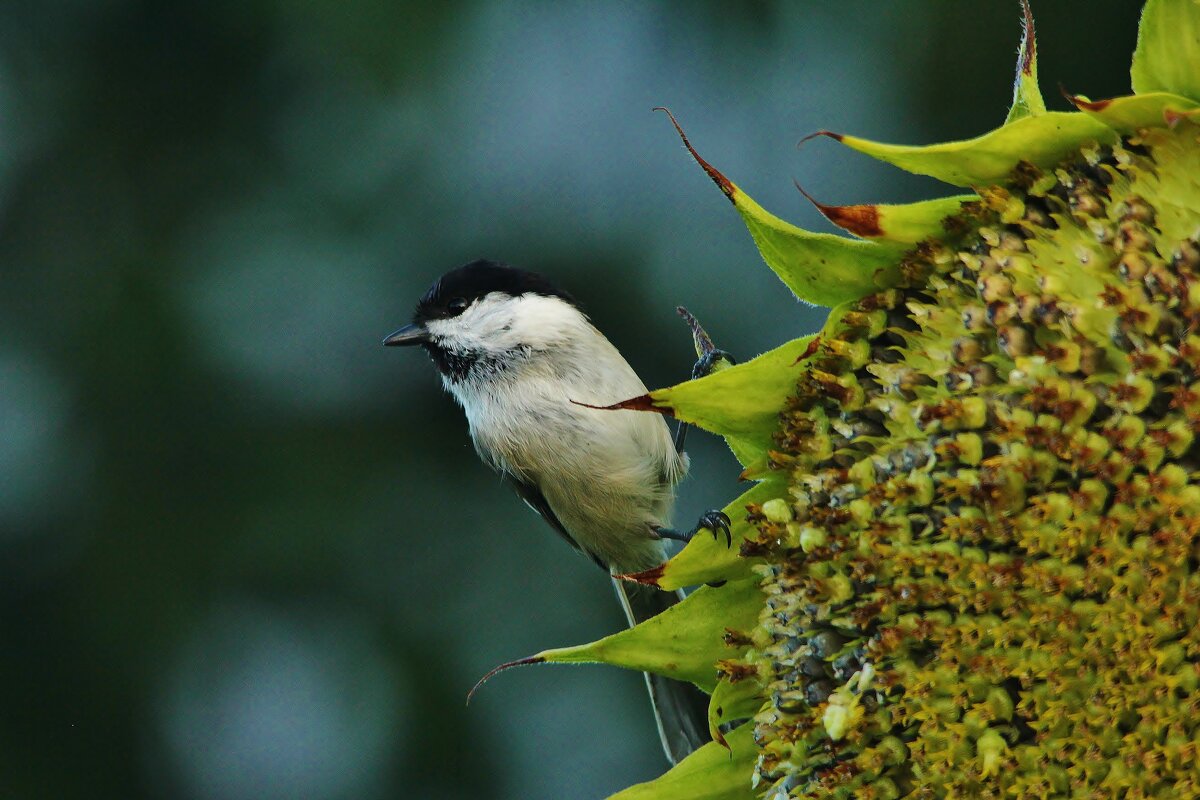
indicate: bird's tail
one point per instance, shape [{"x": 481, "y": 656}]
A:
[{"x": 680, "y": 708}]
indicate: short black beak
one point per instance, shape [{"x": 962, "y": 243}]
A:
[{"x": 408, "y": 335}]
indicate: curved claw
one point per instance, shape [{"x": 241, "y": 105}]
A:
[
  {"x": 717, "y": 521},
  {"x": 713, "y": 521}
]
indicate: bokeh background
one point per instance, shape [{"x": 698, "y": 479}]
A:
[{"x": 245, "y": 552}]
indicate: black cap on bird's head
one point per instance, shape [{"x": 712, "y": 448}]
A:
[{"x": 454, "y": 292}]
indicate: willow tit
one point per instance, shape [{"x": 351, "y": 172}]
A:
[{"x": 530, "y": 371}]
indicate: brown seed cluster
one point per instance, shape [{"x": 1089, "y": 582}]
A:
[{"x": 985, "y": 581}]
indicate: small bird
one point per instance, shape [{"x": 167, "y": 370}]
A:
[{"x": 531, "y": 372}]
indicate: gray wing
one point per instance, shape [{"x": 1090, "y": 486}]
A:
[{"x": 534, "y": 498}]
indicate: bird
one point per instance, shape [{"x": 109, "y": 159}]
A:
[{"x": 532, "y": 374}]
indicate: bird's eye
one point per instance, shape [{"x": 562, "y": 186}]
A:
[{"x": 456, "y": 306}]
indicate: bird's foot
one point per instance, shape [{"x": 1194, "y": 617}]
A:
[
  {"x": 710, "y": 358},
  {"x": 707, "y": 363},
  {"x": 715, "y": 522}
]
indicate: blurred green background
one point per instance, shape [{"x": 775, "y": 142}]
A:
[{"x": 246, "y": 552}]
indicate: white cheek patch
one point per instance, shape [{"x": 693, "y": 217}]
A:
[
  {"x": 442, "y": 328},
  {"x": 497, "y": 323},
  {"x": 476, "y": 329}
]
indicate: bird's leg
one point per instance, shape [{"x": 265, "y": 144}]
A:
[
  {"x": 709, "y": 360},
  {"x": 715, "y": 522}
]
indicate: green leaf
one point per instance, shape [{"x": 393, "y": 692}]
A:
[
  {"x": 742, "y": 401},
  {"x": 710, "y": 773},
  {"x": 1027, "y": 97},
  {"x": 819, "y": 268},
  {"x": 707, "y": 558},
  {"x": 1167, "y": 57},
  {"x": 1128, "y": 114},
  {"x": 746, "y": 451},
  {"x": 904, "y": 224},
  {"x": 1043, "y": 140},
  {"x": 733, "y": 700},
  {"x": 684, "y": 642}
]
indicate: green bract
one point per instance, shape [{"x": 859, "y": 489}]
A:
[{"x": 970, "y": 565}]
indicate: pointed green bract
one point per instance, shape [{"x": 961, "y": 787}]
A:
[
  {"x": 1043, "y": 140},
  {"x": 710, "y": 773},
  {"x": 819, "y": 268},
  {"x": 743, "y": 401},
  {"x": 910, "y": 223},
  {"x": 708, "y": 558},
  {"x": 684, "y": 642},
  {"x": 1127, "y": 114},
  {"x": 906, "y": 223},
  {"x": 1027, "y": 97},
  {"x": 1167, "y": 58}
]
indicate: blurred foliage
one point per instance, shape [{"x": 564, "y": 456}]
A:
[{"x": 235, "y": 561}]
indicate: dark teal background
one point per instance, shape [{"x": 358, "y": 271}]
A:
[{"x": 246, "y": 552}]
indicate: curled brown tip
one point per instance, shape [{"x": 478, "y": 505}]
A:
[
  {"x": 650, "y": 577},
  {"x": 520, "y": 662},
  {"x": 837, "y": 137},
  {"x": 1028, "y": 40},
  {"x": 720, "y": 180},
  {"x": 1082, "y": 103},
  {"x": 640, "y": 403},
  {"x": 808, "y": 196},
  {"x": 861, "y": 220}
]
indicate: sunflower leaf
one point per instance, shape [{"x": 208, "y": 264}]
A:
[
  {"x": 684, "y": 642},
  {"x": 710, "y": 558},
  {"x": 710, "y": 773},
  {"x": 819, "y": 268},
  {"x": 1168, "y": 49},
  {"x": 1043, "y": 140},
  {"x": 1027, "y": 97},
  {"x": 742, "y": 401},
  {"x": 1128, "y": 114},
  {"x": 908, "y": 223}
]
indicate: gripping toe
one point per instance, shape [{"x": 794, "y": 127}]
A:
[
  {"x": 716, "y": 522},
  {"x": 707, "y": 362}
]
